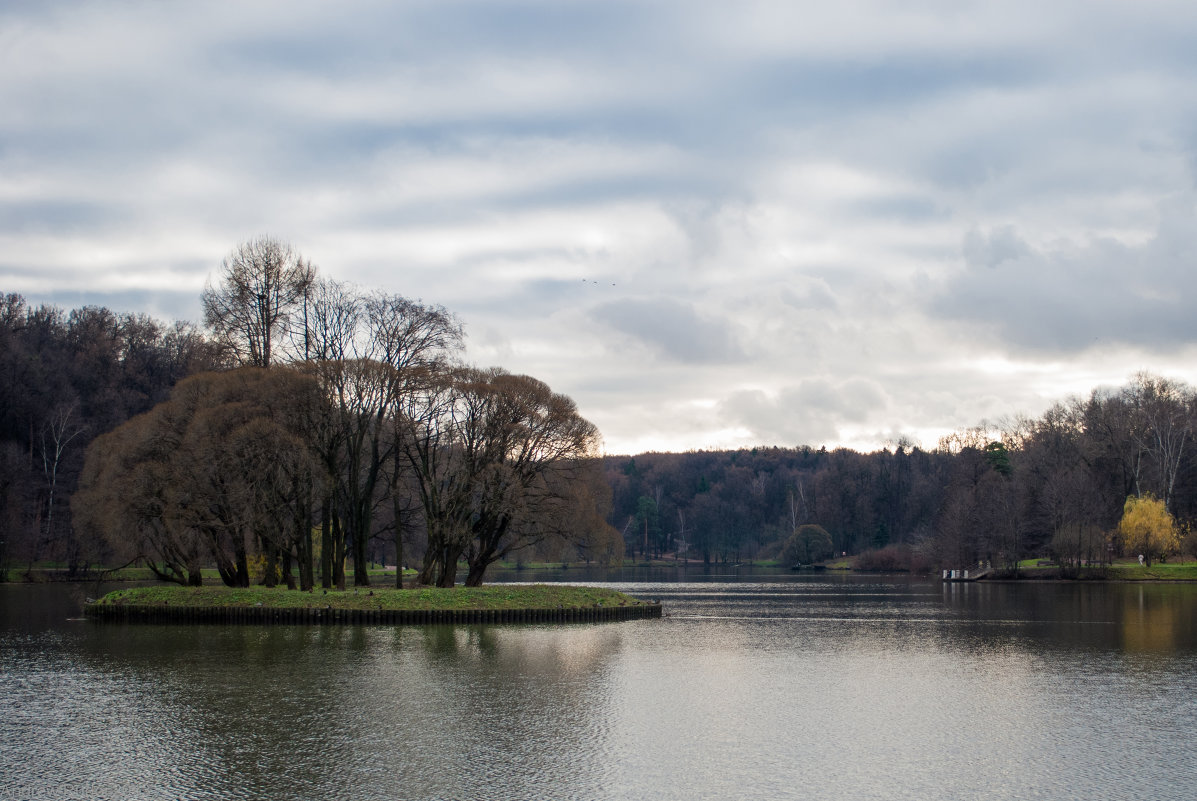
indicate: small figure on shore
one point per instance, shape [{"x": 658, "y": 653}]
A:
[{"x": 1140, "y": 560}]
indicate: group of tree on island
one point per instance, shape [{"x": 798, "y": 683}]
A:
[
  {"x": 339, "y": 422},
  {"x": 312, "y": 426}
]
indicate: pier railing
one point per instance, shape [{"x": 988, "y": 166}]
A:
[{"x": 967, "y": 574}]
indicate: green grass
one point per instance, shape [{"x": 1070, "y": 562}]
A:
[
  {"x": 43, "y": 573},
  {"x": 1122, "y": 570},
  {"x": 1131, "y": 571},
  {"x": 497, "y": 596}
]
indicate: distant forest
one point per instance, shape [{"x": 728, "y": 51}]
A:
[
  {"x": 66, "y": 378},
  {"x": 1055, "y": 485}
]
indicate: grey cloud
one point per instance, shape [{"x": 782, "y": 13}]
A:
[
  {"x": 673, "y": 329},
  {"x": 64, "y": 214},
  {"x": 813, "y": 295},
  {"x": 990, "y": 250},
  {"x": 903, "y": 208},
  {"x": 138, "y": 137},
  {"x": 697, "y": 218},
  {"x": 809, "y": 412},
  {"x": 1077, "y": 296},
  {"x": 164, "y": 305},
  {"x": 765, "y": 418},
  {"x": 539, "y": 298}
]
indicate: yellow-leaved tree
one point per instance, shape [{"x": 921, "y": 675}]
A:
[{"x": 1147, "y": 528}]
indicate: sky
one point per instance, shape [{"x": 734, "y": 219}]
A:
[{"x": 713, "y": 225}]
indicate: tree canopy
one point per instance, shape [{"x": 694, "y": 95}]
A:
[
  {"x": 364, "y": 427},
  {"x": 809, "y": 543},
  {"x": 1147, "y": 528},
  {"x": 262, "y": 283}
]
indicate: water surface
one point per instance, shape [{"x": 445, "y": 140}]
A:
[{"x": 756, "y": 685}]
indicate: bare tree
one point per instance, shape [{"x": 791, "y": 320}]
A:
[
  {"x": 495, "y": 457},
  {"x": 418, "y": 343},
  {"x": 330, "y": 324},
  {"x": 1163, "y": 409},
  {"x": 368, "y": 352},
  {"x": 432, "y": 444},
  {"x": 57, "y": 434},
  {"x": 261, "y": 284},
  {"x": 331, "y": 317}
]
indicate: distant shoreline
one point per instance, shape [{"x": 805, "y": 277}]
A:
[{"x": 1123, "y": 572}]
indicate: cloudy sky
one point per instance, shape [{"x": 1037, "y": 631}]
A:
[{"x": 711, "y": 224}]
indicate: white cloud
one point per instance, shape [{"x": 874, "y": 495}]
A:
[{"x": 711, "y": 226}]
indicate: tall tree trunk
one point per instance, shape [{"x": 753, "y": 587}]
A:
[
  {"x": 303, "y": 552},
  {"x": 241, "y": 567},
  {"x": 450, "y": 558},
  {"x": 326, "y": 544},
  {"x": 475, "y": 574},
  {"x": 270, "y": 571},
  {"x": 428, "y": 571},
  {"x": 288, "y": 576},
  {"x": 338, "y": 537},
  {"x": 448, "y": 574},
  {"x": 303, "y": 531},
  {"x": 361, "y": 566},
  {"x": 399, "y": 525}
]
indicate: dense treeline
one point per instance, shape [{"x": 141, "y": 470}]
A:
[
  {"x": 1051, "y": 486},
  {"x": 348, "y": 433},
  {"x": 312, "y": 427},
  {"x": 65, "y": 378}
]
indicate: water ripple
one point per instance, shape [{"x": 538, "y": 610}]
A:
[{"x": 906, "y": 692}]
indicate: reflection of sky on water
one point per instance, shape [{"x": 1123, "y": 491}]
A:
[{"x": 858, "y": 689}]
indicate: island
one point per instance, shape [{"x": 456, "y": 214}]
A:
[{"x": 498, "y": 603}]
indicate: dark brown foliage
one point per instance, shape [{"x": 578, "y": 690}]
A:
[
  {"x": 219, "y": 472},
  {"x": 66, "y": 378}
]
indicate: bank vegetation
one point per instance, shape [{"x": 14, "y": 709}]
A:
[{"x": 310, "y": 429}]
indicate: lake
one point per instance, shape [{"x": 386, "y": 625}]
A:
[{"x": 758, "y": 684}]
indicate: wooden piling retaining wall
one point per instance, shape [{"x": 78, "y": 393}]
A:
[{"x": 264, "y": 615}]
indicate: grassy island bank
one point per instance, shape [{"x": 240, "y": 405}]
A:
[
  {"x": 1119, "y": 571},
  {"x": 496, "y": 603}
]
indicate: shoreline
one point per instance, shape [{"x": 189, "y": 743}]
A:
[
  {"x": 1050, "y": 574},
  {"x": 1058, "y": 580}
]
